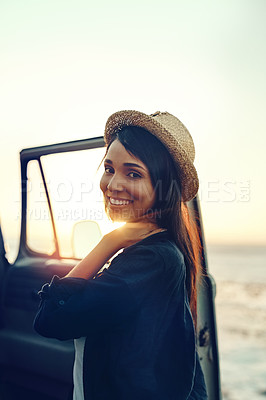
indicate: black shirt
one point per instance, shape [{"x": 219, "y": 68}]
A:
[{"x": 140, "y": 338}]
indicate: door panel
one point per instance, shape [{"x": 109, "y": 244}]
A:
[
  {"x": 23, "y": 351},
  {"x": 206, "y": 330}
]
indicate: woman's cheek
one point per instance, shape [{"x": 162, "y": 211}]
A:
[{"x": 103, "y": 183}]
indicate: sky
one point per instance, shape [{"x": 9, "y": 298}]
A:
[{"x": 66, "y": 66}]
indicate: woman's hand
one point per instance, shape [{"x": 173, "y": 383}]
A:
[{"x": 131, "y": 233}]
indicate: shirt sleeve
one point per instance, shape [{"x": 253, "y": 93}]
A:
[{"x": 73, "y": 307}]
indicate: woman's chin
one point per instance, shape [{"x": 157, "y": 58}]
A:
[{"x": 122, "y": 216}]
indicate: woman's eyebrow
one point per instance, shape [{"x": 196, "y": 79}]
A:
[{"x": 125, "y": 164}]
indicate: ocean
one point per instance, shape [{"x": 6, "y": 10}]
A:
[{"x": 240, "y": 275}]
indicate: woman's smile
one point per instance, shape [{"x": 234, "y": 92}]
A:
[
  {"x": 118, "y": 202},
  {"x": 126, "y": 185}
]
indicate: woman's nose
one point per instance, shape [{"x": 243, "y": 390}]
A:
[{"x": 116, "y": 183}]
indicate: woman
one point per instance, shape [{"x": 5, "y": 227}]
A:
[{"x": 134, "y": 322}]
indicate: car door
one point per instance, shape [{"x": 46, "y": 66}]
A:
[{"x": 62, "y": 217}]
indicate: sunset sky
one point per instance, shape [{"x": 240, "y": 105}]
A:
[{"x": 67, "y": 65}]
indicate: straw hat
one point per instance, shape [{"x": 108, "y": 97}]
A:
[{"x": 171, "y": 132}]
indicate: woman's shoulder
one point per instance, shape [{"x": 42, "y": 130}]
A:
[
  {"x": 156, "y": 253},
  {"x": 159, "y": 243}
]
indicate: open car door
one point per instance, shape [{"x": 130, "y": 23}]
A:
[{"x": 62, "y": 218}]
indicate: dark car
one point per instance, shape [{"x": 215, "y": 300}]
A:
[{"x": 62, "y": 218}]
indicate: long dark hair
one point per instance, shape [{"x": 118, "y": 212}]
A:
[{"x": 169, "y": 211}]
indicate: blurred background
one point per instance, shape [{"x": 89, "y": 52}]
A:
[{"x": 67, "y": 65}]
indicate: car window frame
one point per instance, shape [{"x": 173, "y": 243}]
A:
[{"x": 35, "y": 153}]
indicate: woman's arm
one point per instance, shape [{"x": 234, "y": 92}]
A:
[
  {"x": 74, "y": 307},
  {"x": 95, "y": 260}
]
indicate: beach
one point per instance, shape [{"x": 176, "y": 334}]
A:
[{"x": 240, "y": 275}]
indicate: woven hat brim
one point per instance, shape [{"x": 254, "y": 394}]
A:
[{"x": 188, "y": 173}]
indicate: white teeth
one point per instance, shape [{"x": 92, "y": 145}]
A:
[{"x": 119, "y": 202}]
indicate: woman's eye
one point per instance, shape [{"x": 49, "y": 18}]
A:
[
  {"x": 134, "y": 175},
  {"x": 108, "y": 169}
]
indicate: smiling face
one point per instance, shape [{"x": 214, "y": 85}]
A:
[{"x": 126, "y": 185}]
